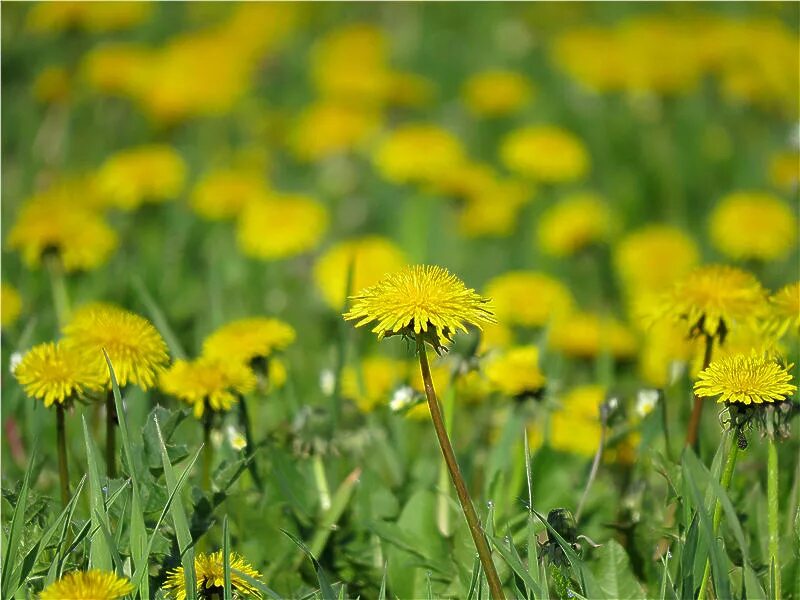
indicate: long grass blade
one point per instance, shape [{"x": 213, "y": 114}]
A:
[
  {"x": 12, "y": 546},
  {"x": 99, "y": 551},
  {"x": 226, "y": 560}
]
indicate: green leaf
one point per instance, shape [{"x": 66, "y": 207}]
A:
[
  {"x": 99, "y": 550},
  {"x": 509, "y": 554},
  {"x": 613, "y": 572},
  {"x": 12, "y": 546},
  {"x": 168, "y": 421},
  {"x": 324, "y": 584}
]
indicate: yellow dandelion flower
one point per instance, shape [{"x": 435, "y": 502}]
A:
[
  {"x": 652, "y": 258},
  {"x": 54, "y": 372},
  {"x": 223, "y": 193},
  {"x": 745, "y": 379},
  {"x": 117, "y": 69},
  {"x": 10, "y": 305},
  {"x": 464, "y": 180},
  {"x": 81, "y": 237},
  {"x": 137, "y": 351},
  {"x": 575, "y": 222},
  {"x": 281, "y": 227},
  {"x": 753, "y": 225},
  {"x": 494, "y": 210},
  {"x": 417, "y": 153},
  {"x": 586, "y": 335},
  {"x": 420, "y": 299},
  {"x": 713, "y": 299},
  {"x": 329, "y": 128},
  {"x": 97, "y": 17},
  {"x": 496, "y": 92},
  {"x": 154, "y": 173},
  {"x": 207, "y": 382},
  {"x": 665, "y": 349},
  {"x": 495, "y": 336},
  {"x": 245, "y": 340},
  {"x": 52, "y": 85},
  {"x": 88, "y": 585},
  {"x": 575, "y": 427},
  {"x": 210, "y": 572},
  {"x": 516, "y": 372},
  {"x": 785, "y": 305},
  {"x": 784, "y": 170},
  {"x": 372, "y": 258},
  {"x": 528, "y": 298},
  {"x": 410, "y": 90},
  {"x": 372, "y": 384},
  {"x": 545, "y": 153}
]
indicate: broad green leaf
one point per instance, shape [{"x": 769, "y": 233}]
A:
[{"x": 613, "y": 571}]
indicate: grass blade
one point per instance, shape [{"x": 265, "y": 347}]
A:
[
  {"x": 159, "y": 319},
  {"x": 99, "y": 550},
  {"x": 179, "y": 520},
  {"x": 12, "y": 546},
  {"x": 226, "y": 560},
  {"x": 325, "y": 587}
]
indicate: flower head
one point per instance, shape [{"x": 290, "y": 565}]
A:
[
  {"x": 576, "y": 428},
  {"x": 144, "y": 174},
  {"x": 210, "y": 572},
  {"x": 585, "y": 335},
  {"x": 745, "y": 379},
  {"x": 753, "y": 225},
  {"x": 714, "y": 298},
  {"x": 785, "y": 304},
  {"x": 281, "y": 227},
  {"x": 493, "y": 210},
  {"x": 417, "y": 153},
  {"x": 420, "y": 299},
  {"x": 576, "y": 222},
  {"x": 329, "y": 128},
  {"x": 516, "y": 372},
  {"x": 10, "y": 305},
  {"x": 222, "y": 194},
  {"x": 372, "y": 257},
  {"x": 88, "y": 585},
  {"x": 56, "y": 372},
  {"x": 528, "y": 298},
  {"x": 82, "y": 239},
  {"x": 545, "y": 153},
  {"x": 215, "y": 382},
  {"x": 496, "y": 92},
  {"x": 245, "y": 340},
  {"x": 372, "y": 385},
  {"x": 137, "y": 351}
]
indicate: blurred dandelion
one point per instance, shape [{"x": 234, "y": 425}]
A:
[{"x": 95, "y": 584}]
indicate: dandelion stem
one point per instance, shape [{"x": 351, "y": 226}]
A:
[
  {"x": 772, "y": 516},
  {"x": 59, "y": 288},
  {"x": 321, "y": 481},
  {"x": 208, "y": 449},
  {"x": 249, "y": 449},
  {"x": 478, "y": 537},
  {"x": 111, "y": 436},
  {"x": 63, "y": 468},
  {"x": 725, "y": 482},
  {"x": 697, "y": 410}
]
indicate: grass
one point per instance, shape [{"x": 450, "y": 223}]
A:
[{"x": 329, "y": 502}]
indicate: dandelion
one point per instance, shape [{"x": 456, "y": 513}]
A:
[
  {"x": 495, "y": 93},
  {"x": 51, "y": 17},
  {"x": 371, "y": 257},
  {"x": 586, "y": 335},
  {"x": 784, "y": 170},
  {"x": 78, "y": 237},
  {"x": 210, "y": 573},
  {"x": 248, "y": 340},
  {"x": 753, "y": 225},
  {"x": 417, "y": 153},
  {"x": 372, "y": 383},
  {"x": 545, "y": 153},
  {"x": 575, "y": 427},
  {"x": 430, "y": 304},
  {"x": 57, "y": 374},
  {"x": 154, "y": 173},
  {"x": 222, "y": 194},
  {"x": 326, "y": 129},
  {"x": 426, "y": 302},
  {"x": 52, "y": 85},
  {"x": 516, "y": 371},
  {"x": 90, "y": 585},
  {"x": 785, "y": 304},
  {"x": 117, "y": 69},
  {"x": 528, "y": 298},
  {"x": 10, "y": 305},
  {"x": 494, "y": 210},
  {"x": 575, "y": 222},
  {"x": 281, "y": 227},
  {"x": 207, "y": 383},
  {"x": 135, "y": 348}
]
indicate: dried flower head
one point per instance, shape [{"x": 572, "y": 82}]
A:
[
  {"x": 420, "y": 299},
  {"x": 745, "y": 379}
]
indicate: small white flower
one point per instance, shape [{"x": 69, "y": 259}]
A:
[
  {"x": 236, "y": 439},
  {"x": 14, "y": 361},
  {"x": 646, "y": 400},
  {"x": 216, "y": 438},
  {"x": 327, "y": 382},
  {"x": 402, "y": 398}
]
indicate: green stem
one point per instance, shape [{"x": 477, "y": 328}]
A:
[
  {"x": 59, "y": 288},
  {"x": 244, "y": 420},
  {"x": 665, "y": 425},
  {"x": 208, "y": 449},
  {"x": 772, "y": 515},
  {"x": 63, "y": 468},
  {"x": 111, "y": 436},
  {"x": 725, "y": 482},
  {"x": 697, "y": 410},
  {"x": 321, "y": 481},
  {"x": 443, "y": 503},
  {"x": 595, "y": 465},
  {"x": 478, "y": 536}
]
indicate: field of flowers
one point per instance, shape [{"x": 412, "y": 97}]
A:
[{"x": 399, "y": 300}]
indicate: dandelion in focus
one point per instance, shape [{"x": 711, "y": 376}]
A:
[
  {"x": 209, "y": 569},
  {"x": 94, "y": 584},
  {"x": 745, "y": 379}
]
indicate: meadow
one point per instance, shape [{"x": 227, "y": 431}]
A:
[{"x": 400, "y": 300}]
